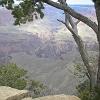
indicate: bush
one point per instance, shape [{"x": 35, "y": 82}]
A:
[
  {"x": 85, "y": 93},
  {"x": 36, "y": 88},
  {"x": 13, "y": 76},
  {"x": 84, "y": 88}
]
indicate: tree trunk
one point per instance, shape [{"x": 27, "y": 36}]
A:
[
  {"x": 84, "y": 56},
  {"x": 97, "y": 7},
  {"x": 83, "y": 52}
]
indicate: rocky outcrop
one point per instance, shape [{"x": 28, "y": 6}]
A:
[
  {"x": 55, "y": 97},
  {"x": 8, "y": 93}
]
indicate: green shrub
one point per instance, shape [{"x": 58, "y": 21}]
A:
[
  {"x": 84, "y": 89},
  {"x": 37, "y": 88},
  {"x": 11, "y": 75},
  {"x": 85, "y": 93},
  {"x": 20, "y": 84}
]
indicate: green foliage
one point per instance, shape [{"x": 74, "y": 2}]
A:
[
  {"x": 11, "y": 75},
  {"x": 37, "y": 88},
  {"x": 84, "y": 90},
  {"x": 7, "y": 3},
  {"x": 85, "y": 93},
  {"x": 20, "y": 84},
  {"x": 36, "y": 84},
  {"x": 25, "y": 11},
  {"x": 80, "y": 70}
]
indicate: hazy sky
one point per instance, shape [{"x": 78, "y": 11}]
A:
[{"x": 79, "y": 1}]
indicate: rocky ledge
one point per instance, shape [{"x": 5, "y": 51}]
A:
[{"x": 8, "y": 93}]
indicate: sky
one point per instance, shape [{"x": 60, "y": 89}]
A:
[{"x": 79, "y": 2}]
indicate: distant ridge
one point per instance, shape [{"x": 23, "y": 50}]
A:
[{"x": 82, "y": 5}]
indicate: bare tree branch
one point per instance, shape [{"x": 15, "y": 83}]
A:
[
  {"x": 83, "y": 52},
  {"x": 73, "y": 13},
  {"x": 68, "y": 27},
  {"x": 61, "y": 21},
  {"x": 81, "y": 47}
]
